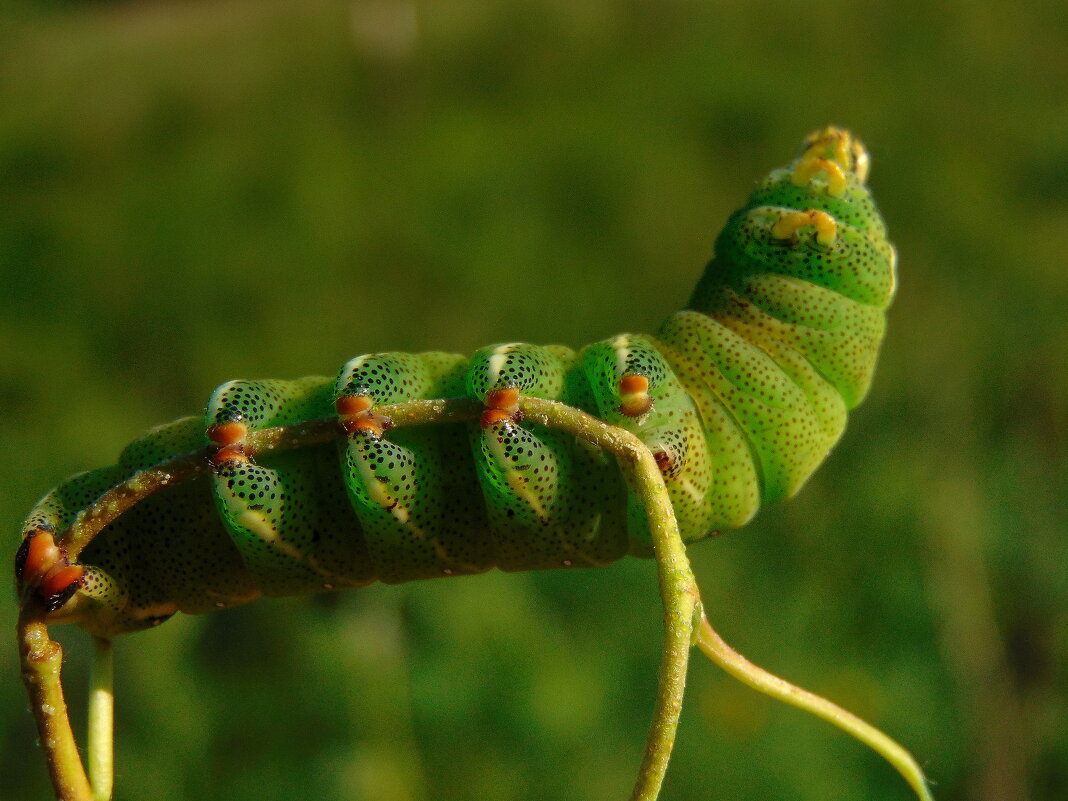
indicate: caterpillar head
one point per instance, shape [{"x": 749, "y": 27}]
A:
[{"x": 840, "y": 147}]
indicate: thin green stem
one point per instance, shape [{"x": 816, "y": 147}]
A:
[
  {"x": 678, "y": 588},
  {"x": 101, "y": 720},
  {"x": 42, "y": 659},
  {"x": 759, "y": 679},
  {"x": 105, "y": 509}
]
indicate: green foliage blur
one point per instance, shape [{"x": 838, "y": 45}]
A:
[{"x": 197, "y": 191}]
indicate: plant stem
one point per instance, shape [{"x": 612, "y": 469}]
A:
[
  {"x": 105, "y": 509},
  {"x": 42, "y": 659},
  {"x": 101, "y": 720},
  {"x": 734, "y": 663},
  {"x": 678, "y": 587}
]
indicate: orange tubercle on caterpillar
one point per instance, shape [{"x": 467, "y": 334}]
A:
[
  {"x": 506, "y": 399},
  {"x": 56, "y": 581},
  {"x": 493, "y": 416},
  {"x": 42, "y": 554},
  {"x": 46, "y": 567},
  {"x": 230, "y": 453},
  {"x": 634, "y": 395},
  {"x": 223, "y": 434},
  {"x": 350, "y": 405}
]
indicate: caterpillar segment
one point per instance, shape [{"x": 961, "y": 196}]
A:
[
  {"x": 636, "y": 389},
  {"x": 41, "y": 562},
  {"x": 278, "y": 515},
  {"x": 783, "y": 329},
  {"x": 521, "y": 472},
  {"x": 411, "y": 490},
  {"x": 537, "y": 482}
]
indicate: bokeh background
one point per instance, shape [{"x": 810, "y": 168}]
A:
[{"x": 197, "y": 191}]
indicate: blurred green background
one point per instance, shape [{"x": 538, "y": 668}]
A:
[{"x": 199, "y": 191}]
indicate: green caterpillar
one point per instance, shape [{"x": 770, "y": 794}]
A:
[{"x": 739, "y": 397}]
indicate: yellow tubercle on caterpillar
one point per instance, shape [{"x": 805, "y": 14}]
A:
[
  {"x": 809, "y": 167},
  {"x": 789, "y": 223}
]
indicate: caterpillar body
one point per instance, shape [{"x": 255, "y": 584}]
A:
[
  {"x": 521, "y": 457},
  {"x": 739, "y": 396}
]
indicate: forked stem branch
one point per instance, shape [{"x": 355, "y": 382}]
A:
[
  {"x": 716, "y": 649},
  {"x": 678, "y": 587}
]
